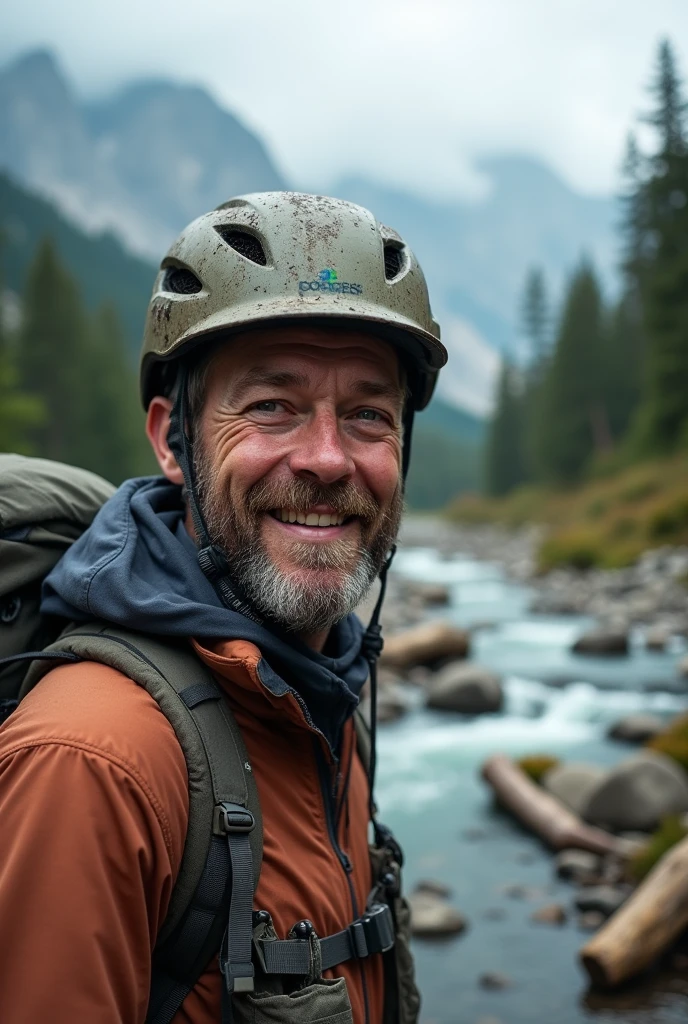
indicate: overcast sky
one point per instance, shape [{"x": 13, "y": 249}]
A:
[{"x": 411, "y": 92}]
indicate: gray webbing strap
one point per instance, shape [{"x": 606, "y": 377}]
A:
[
  {"x": 235, "y": 955},
  {"x": 373, "y": 932}
]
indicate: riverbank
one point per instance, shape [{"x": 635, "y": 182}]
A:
[
  {"x": 604, "y": 522},
  {"x": 555, "y": 701}
]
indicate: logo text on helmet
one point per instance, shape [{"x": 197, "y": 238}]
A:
[{"x": 326, "y": 281}]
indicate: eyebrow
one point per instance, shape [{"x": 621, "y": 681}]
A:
[
  {"x": 379, "y": 389},
  {"x": 260, "y": 377}
]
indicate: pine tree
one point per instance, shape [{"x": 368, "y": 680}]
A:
[
  {"x": 535, "y": 318},
  {"x": 51, "y": 355},
  {"x": 504, "y": 469},
  {"x": 624, "y": 369},
  {"x": 573, "y": 422},
  {"x": 660, "y": 267},
  {"x": 19, "y": 411},
  {"x": 536, "y": 328},
  {"x": 113, "y": 442}
]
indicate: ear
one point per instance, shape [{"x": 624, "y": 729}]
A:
[{"x": 157, "y": 429}]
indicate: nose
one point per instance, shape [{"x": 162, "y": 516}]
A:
[{"x": 320, "y": 453}]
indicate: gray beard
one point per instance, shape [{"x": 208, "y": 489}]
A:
[{"x": 298, "y": 606}]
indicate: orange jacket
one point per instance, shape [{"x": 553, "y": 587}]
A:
[{"x": 93, "y": 813}]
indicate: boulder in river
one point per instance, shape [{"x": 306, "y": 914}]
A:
[
  {"x": 602, "y": 642},
  {"x": 573, "y": 783},
  {"x": 494, "y": 981},
  {"x": 468, "y": 689},
  {"x": 638, "y": 793},
  {"x": 430, "y": 887},
  {"x": 578, "y": 865},
  {"x": 657, "y": 637},
  {"x": 391, "y": 704},
  {"x": 432, "y": 917},
  {"x": 636, "y": 728},
  {"x": 605, "y": 899},
  {"x": 591, "y": 920},
  {"x": 430, "y": 644},
  {"x": 552, "y": 913}
]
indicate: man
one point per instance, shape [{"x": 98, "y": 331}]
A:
[{"x": 288, "y": 341}]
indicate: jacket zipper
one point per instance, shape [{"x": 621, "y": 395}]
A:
[{"x": 329, "y": 804}]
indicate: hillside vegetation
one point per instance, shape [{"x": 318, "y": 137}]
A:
[{"x": 604, "y": 523}]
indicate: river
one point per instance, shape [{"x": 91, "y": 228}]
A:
[{"x": 430, "y": 793}]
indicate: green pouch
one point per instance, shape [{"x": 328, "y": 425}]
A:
[{"x": 322, "y": 1002}]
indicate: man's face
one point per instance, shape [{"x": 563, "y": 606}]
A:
[{"x": 298, "y": 455}]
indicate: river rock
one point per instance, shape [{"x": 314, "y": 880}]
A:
[
  {"x": 431, "y": 593},
  {"x": 573, "y": 783},
  {"x": 432, "y": 888},
  {"x": 636, "y": 728},
  {"x": 433, "y": 917},
  {"x": 391, "y": 704},
  {"x": 605, "y": 899},
  {"x": 607, "y": 642},
  {"x": 591, "y": 920},
  {"x": 578, "y": 865},
  {"x": 469, "y": 689},
  {"x": 429, "y": 644},
  {"x": 657, "y": 637},
  {"x": 553, "y": 913},
  {"x": 494, "y": 981},
  {"x": 638, "y": 793}
]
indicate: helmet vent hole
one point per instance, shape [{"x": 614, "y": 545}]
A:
[
  {"x": 394, "y": 261},
  {"x": 246, "y": 245},
  {"x": 181, "y": 281}
]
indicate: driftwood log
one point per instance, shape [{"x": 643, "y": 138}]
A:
[
  {"x": 554, "y": 823},
  {"x": 644, "y": 926}
]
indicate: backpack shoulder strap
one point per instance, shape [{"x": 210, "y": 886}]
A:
[{"x": 224, "y": 838}]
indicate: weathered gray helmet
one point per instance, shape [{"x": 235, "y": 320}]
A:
[{"x": 272, "y": 256}]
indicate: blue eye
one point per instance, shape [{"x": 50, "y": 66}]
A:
[
  {"x": 266, "y": 406},
  {"x": 368, "y": 414}
]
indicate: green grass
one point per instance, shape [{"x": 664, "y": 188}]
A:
[
  {"x": 670, "y": 832},
  {"x": 537, "y": 765}
]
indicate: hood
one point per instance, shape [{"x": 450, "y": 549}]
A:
[{"x": 136, "y": 566}]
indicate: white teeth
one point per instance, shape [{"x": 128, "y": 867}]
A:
[{"x": 289, "y": 515}]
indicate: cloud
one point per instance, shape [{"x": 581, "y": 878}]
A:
[
  {"x": 409, "y": 92},
  {"x": 468, "y": 379}
]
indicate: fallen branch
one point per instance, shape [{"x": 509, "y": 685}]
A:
[
  {"x": 554, "y": 823},
  {"x": 646, "y": 925}
]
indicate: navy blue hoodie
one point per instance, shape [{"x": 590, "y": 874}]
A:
[{"x": 136, "y": 566}]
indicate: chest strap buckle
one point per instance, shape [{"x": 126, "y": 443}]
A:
[{"x": 373, "y": 932}]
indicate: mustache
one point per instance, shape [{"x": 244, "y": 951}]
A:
[{"x": 345, "y": 499}]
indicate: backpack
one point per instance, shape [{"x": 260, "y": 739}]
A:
[{"x": 44, "y": 507}]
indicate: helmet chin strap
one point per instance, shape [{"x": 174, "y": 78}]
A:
[{"x": 214, "y": 564}]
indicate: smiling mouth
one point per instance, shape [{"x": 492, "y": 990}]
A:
[{"x": 306, "y": 518}]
